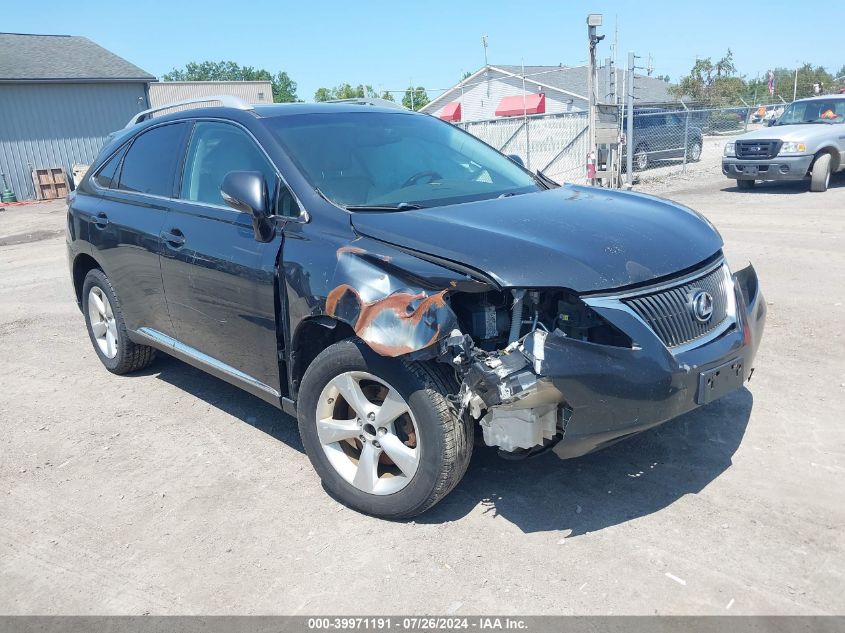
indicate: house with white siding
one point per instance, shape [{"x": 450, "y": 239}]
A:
[{"x": 497, "y": 91}]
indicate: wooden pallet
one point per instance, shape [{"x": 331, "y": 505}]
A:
[{"x": 50, "y": 183}]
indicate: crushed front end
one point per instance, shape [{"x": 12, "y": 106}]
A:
[{"x": 547, "y": 369}]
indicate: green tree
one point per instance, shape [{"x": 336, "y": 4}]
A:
[
  {"x": 466, "y": 75},
  {"x": 710, "y": 82},
  {"x": 344, "y": 91},
  {"x": 323, "y": 94},
  {"x": 284, "y": 88},
  {"x": 387, "y": 96},
  {"x": 415, "y": 98},
  {"x": 785, "y": 81}
]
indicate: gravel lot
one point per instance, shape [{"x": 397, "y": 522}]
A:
[{"x": 170, "y": 492}]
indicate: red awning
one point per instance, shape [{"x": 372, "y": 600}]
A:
[
  {"x": 451, "y": 111},
  {"x": 512, "y": 106}
]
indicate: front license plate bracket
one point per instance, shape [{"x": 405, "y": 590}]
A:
[{"x": 715, "y": 383}]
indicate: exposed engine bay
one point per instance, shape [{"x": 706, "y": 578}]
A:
[{"x": 499, "y": 357}]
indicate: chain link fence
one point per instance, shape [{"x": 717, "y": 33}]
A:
[
  {"x": 669, "y": 141},
  {"x": 555, "y": 144},
  {"x": 666, "y": 140}
]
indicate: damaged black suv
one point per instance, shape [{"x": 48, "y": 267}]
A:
[{"x": 394, "y": 283}]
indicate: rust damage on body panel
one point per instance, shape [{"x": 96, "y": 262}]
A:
[
  {"x": 391, "y": 310},
  {"x": 400, "y": 323}
]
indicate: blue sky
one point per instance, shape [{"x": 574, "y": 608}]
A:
[{"x": 389, "y": 44}]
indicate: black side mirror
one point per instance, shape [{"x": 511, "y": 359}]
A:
[
  {"x": 771, "y": 122},
  {"x": 516, "y": 158},
  {"x": 246, "y": 191}
]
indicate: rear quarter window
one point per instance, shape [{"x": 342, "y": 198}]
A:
[
  {"x": 107, "y": 175},
  {"x": 153, "y": 159}
]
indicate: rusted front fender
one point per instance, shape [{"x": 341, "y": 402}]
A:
[{"x": 395, "y": 302}]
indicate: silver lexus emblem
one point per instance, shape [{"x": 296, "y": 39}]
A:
[{"x": 701, "y": 305}]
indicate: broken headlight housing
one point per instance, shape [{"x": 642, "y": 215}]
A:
[
  {"x": 488, "y": 317},
  {"x": 557, "y": 310}
]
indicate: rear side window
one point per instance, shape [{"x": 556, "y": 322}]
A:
[
  {"x": 153, "y": 159},
  {"x": 215, "y": 150},
  {"x": 107, "y": 175}
]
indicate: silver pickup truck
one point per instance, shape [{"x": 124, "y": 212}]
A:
[{"x": 808, "y": 139}]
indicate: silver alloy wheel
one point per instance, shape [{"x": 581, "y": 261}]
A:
[
  {"x": 641, "y": 159},
  {"x": 103, "y": 324},
  {"x": 695, "y": 152},
  {"x": 368, "y": 433}
]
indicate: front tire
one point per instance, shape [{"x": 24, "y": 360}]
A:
[
  {"x": 694, "y": 152},
  {"x": 820, "y": 178},
  {"x": 107, "y": 328},
  {"x": 641, "y": 159},
  {"x": 380, "y": 432}
]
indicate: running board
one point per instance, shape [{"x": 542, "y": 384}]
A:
[{"x": 213, "y": 366}]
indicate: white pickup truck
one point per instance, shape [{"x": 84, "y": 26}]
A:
[{"x": 808, "y": 139}]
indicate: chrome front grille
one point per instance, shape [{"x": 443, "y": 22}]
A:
[
  {"x": 763, "y": 150},
  {"x": 669, "y": 312}
]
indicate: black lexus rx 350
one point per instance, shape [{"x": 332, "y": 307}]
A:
[{"x": 396, "y": 284}]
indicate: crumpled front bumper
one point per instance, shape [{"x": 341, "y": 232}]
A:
[{"x": 613, "y": 392}]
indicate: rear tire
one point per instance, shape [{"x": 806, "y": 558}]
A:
[
  {"x": 745, "y": 184},
  {"x": 107, "y": 329},
  {"x": 820, "y": 178},
  {"x": 439, "y": 451}
]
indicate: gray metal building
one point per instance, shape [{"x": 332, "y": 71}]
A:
[{"x": 60, "y": 96}]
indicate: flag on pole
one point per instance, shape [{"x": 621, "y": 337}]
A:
[{"x": 771, "y": 83}]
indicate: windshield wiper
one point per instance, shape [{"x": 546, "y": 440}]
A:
[
  {"x": 402, "y": 206},
  {"x": 545, "y": 181}
]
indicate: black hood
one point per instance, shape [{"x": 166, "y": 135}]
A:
[{"x": 581, "y": 238}]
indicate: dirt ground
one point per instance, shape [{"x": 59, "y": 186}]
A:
[{"x": 170, "y": 492}]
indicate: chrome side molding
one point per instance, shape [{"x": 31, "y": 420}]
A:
[{"x": 165, "y": 343}]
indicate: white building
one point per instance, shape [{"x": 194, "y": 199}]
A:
[
  {"x": 253, "y": 92},
  {"x": 500, "y": 91}
]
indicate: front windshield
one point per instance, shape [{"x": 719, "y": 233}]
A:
[
  {"x": 815, "y": 111},
  {"x": 376, "y": 159}
]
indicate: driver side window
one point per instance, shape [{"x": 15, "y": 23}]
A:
[{"x": 215, "y": 150}]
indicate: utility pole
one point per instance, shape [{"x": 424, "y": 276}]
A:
[
  {"x": 615, "y": 56},
  {"x": 593, "y": 20},
  {"x": 629, "y": 127},
  {"x": 795, "y": 86},
  {"x": 525, "y": 122},
  {"x": 486, "y": 65}
]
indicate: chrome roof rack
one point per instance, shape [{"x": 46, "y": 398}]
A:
[
  {"x": 375, "y": 101},
  {"x": 227, "y": 101}
]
